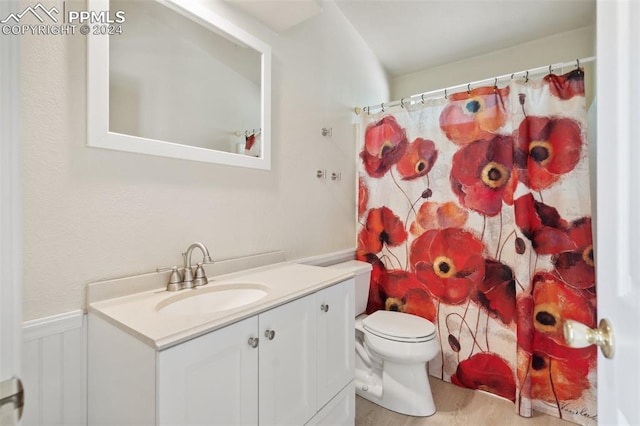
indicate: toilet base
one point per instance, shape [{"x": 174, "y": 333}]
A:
[{"x": 402, "y": 388}]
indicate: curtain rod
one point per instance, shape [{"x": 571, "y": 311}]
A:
[{"x": 468, "y": 86}]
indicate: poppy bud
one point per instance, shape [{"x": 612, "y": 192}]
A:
[
  {"x": 454, "y": 343},
  {"x": 522, "y": 97}
]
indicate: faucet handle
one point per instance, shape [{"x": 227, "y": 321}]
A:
[
  {"x": 200, "y": 276},
  {"x": 174, "y": 279}
]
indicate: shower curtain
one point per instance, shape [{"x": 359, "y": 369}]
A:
[{"x": 474, "y": 211}]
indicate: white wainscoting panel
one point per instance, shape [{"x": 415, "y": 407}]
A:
[{"x": 54, "y": 369}]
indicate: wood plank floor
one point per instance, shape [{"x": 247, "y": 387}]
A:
[{"x": 454, "y": 406}]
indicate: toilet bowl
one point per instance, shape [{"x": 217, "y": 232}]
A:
[{"x": 392, "y": 349}]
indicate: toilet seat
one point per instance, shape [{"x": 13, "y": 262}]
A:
[{"x": 399, "y": 327}]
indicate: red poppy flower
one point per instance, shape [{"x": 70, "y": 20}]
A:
[
  {"x": 402, "y": 292},
  {"x": 555, "y": 303},
  {"x": 418, "y": 160},
  {"x": 433, "y": 215},
  {"x": 576, "y": 267},
  {"x": 542, "y": 314},
  {"x": 482, "y": 175},
  {"x": 475, "y": 115},
  {"x": 382, "y": 227},
  {"x": 542, "y": 225},
  {"x": 449, "y": 262},
  {"x": 553, "y": 380},
  {"x": 385, "y": 142},
  {"x": 547, "y": 148},
  {"x": 488, "y": 372},
  {"x": 566, "y": 86},
  {"x": 363, "y": 197},
  {"x": 497, "y": 292}
]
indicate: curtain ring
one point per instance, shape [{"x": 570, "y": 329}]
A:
[
  {"x": 512, "y": 75},
  {"x": 422, "y": 98},
  {"x": 445, "y": 93},
  {"x": 382, "y": 106},
  {"x": 550, "y": 71},
  {"x": 526, "y": 78},
  {"x": 402, "y": 103},
  {"x": 368, "y": 110},
  {"x": 495, "y": 83},
  {"x": 468, "y": 88},
  {"x": 578, "y": 63}
]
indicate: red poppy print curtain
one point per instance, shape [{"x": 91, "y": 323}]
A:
[{"x": 475, "y": 214}]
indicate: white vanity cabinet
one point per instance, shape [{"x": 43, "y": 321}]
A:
[{"x": 299, "y": 371}]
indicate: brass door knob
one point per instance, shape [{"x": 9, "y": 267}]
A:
[{"x": 578, "y": 335}]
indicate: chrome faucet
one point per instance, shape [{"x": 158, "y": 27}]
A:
[{"x": 189, "y": 281}]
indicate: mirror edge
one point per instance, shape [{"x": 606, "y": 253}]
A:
[{"x": 98, "y": 134}]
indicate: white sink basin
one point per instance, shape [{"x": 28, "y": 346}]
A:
[{"x": 216, "y": 298}]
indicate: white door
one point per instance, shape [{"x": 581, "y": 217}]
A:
[
  {"x": 287, "y": 363},
  {"x": 336, "y": 351},
  {"x": 211, "y": 380},
  {"x": 618, "y": 235},
  {"x": 10, "y": 229}
]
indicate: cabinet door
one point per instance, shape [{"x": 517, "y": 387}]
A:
[
  {"x": 211, "y": 380},
  {"x": 288, "y": 363},
  {"x": 336, "y": 331}
]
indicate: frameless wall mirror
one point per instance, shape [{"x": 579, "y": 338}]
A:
[{"x": 177, "y": 80}]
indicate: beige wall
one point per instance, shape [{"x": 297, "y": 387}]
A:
[
  {"x": 559, "y": 48},
  {"x": 92, "y": 214}
]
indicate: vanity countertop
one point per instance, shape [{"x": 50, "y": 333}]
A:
[{"x": 137, "y": 313}]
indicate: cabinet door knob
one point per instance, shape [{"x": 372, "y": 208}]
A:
[
  {"x": 269, "y": 334},
  {"x": 253, "y": 342},
  {"x": 324, "y": 307}
]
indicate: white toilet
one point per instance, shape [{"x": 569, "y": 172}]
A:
[{"x": 392, "y": 349}]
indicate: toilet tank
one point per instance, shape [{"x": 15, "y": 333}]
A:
[{"x": 362, "y": 275}]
